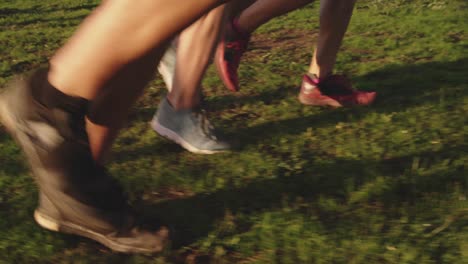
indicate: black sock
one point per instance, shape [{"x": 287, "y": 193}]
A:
[{"x": 51, "y": 97}]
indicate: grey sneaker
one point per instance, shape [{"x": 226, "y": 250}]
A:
[
  {"x": 76, "y": 195},
  {"x": 188, "y": 128}
]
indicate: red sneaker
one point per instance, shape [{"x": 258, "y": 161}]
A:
[
  {"x": 333, "y": 90},
  {"x": 228, "y": 54}
]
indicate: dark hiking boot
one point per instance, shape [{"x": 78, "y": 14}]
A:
[
  {"x": 76, "y": 195},
  {"x": 127, "y": 237}
]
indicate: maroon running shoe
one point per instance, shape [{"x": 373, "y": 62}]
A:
[
  {"x": 228, "y": 54},
  {"x": 333, "y": 90}
]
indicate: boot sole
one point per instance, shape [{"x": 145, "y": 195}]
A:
[
  {"x": 52, "y": 224},
  {"x": 171, "y": 135}
]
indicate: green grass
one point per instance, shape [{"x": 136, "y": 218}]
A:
[{"x": 382, "y": 184}]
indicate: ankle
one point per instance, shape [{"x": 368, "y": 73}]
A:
[
  {"x": 183, "y": 103},
  {"x": 239, "y": 29},
  {"x": 320, "y": 75},
  {"x": 49, "y": 96}
]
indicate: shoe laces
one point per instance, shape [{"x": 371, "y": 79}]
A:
[{"x": 205, "y": 125}]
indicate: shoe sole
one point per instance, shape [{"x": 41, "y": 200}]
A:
[
  {"x": 332, "y": 102},
  {"x": 52, "y": 224},
  {"x": 222, "y": 73},
  {"x": 7, "y": 119},
  {"x": 319, "y": 102},
  {"x": 171, "y": 135}
]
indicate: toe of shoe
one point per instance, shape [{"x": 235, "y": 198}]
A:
[{"x": 366, "y": 98}]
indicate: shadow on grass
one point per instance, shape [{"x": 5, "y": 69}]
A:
[
  {"x": 441, "y": 84},
  {"x": 195, "y": 217},
  {"x": 404, "y": 86},
  {"x": 249, "y": 136},
  {"x": 150, "y": 150},
  {"x": 219, "y": 103},
  {"x": 398, "y": 86},
  {"x": 274, "y": 95}
]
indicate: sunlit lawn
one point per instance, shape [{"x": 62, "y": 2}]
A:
[{"x": 380, "y": 184}]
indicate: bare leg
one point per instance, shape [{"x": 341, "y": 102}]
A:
[
  {"x": 134, "y": 58},
  {"x": 334, "y": 19},
  {"x": 234, "y": 8},
  {"x": 117, "y": 33},
  {"x": 333, "y": 90},
  {"x": 194, "y": 50},
  {"x": 193, "y": 55},
  {"x": 263, "y": 10},
  {"x": 115, "y": 50},
  {"x": 179, "y": 117},
  {"x": 117, "y": 97},
  {"x": 237, "y": 35}
]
